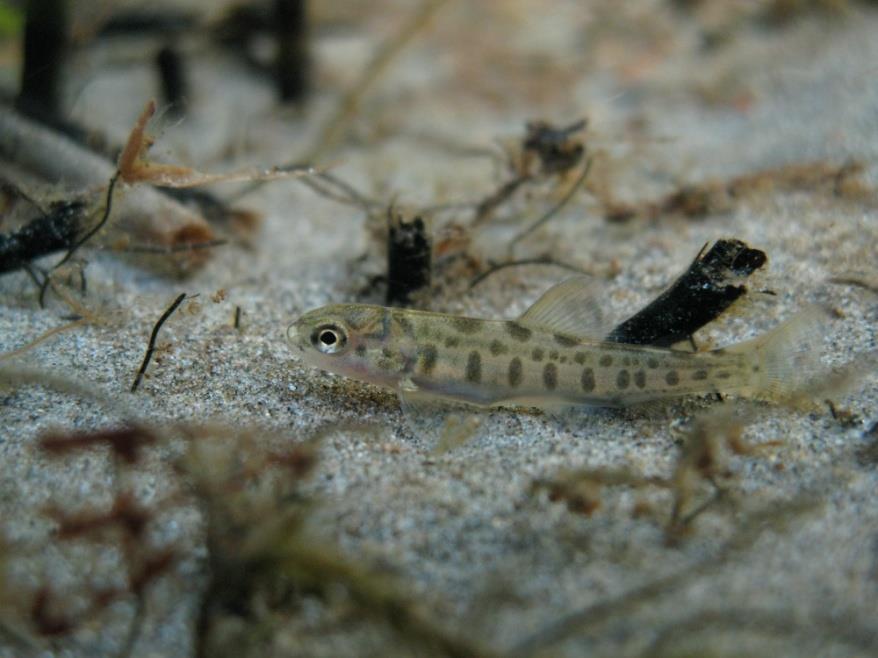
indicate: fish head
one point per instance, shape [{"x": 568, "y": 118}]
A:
[{"x": 347, "y": 339}]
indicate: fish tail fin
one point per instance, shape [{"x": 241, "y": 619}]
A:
[{"x": 785, "y": 362}]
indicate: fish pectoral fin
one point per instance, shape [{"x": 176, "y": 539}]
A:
[
  {"x": 443, "y": 424},
  {"x": 571, "y": 308}
]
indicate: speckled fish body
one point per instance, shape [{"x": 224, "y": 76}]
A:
[{"x": 528, "y": 362}]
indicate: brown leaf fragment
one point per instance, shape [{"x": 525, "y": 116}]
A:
[
  {"x": 125, "y": 442},
  {"x": 126, "y": 514},
  {"x": 135, "y": 167},
  {"x": 48, "y": 622}
]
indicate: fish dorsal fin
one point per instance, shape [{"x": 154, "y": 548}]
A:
[{"x": 570, "y": 308}]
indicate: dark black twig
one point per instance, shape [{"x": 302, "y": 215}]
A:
[
  {"x": 854, "y": 281},
  {"x": 32, "y": 273},
  {"x": 518, "y": 263},
  {"x": 88, "y": 236},
  {"x": 487, "y": 206},
  {"x": 556, "y": 208},
  {"x": 54, "y": 230},
  {"x": 409, "y": 258},
  {"x": 150, "y": 348},
  {"x": 172, "y": 73},
  {"x": 47, "y": 280},
  {"x": 237, "y": 317},
  {"x": 44, "y": 287},
  {"x": 293, "y": 65},
  {"x": 45, "y": 40},
  {"x": 709, "y": 286}
]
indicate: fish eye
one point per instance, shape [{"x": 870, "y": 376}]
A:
[{"x": 328, "y": 338}]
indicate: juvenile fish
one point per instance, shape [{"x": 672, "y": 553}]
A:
[{"x": 547, "y": 358}]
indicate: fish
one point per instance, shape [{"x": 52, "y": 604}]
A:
[{"x": 551, "y": 357}]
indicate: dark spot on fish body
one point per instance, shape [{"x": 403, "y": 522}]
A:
[
  {"x": 640, "y": 379},
  {"x": 405, "y": 324},
  {"x": 723, "y": 374},
  {"x": 452, "y": 341},
  {"x": 497, "y": 348},
  {"x": 565, "y": 341},
  {"x": 580, "y": 358},
  {"x": 563, "y": 359},
  {"x": 626, "y": 361},
  {"x": 537, "y": 354},
  {"x": 606, "y": 361},
  {"x": 652, "y": 362},
  {"x": 672, "y": 378},
  {"x": 467, "y": 326},
  {"x": 550, "y": 376},
  {"x": 474, "y": 367},
  {"x": 360, "y": 350},
  {"x": 516, "y": 373},
  {"x": 386, "y": 351},
  {"x": 699, "y": 375},
  {"x": 428, "y": 356},
  {"x": 587, "y": 380},
  {"x": 553, "y": 355},
  {"x": 623, "y": 379},
  {"x": 756, "y": 368},
  {"x": 519, "y": 333}
]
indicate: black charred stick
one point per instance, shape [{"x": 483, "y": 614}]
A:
[
  {"x": 150, "y": 348},
  {"x": 47, "y": 234},
  {"x": 409, "y": 259},
  {"x": 45, "y": 40},
  {"x": 293, "y": 56},
  {"x": 172, "y": 73},
  {"x": 702, "y": 293}
]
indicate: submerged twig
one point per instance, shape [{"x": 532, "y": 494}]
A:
[
  {"x": 857, "y": 281},
  {"x": 144, "y": 212},
  {"x": 554, "y": 209},
  {"x": 46, "y": 335},
  {"x": 52, "y": 231},
  {"x": 709, "y": 286},
  {"x": 323, "y": 183},
  {"x": 150, "y": 348},
  {"x": 108, "y": 206},
  {"x": 519, "y": 263},
  {"x": 134, "y": 167}
]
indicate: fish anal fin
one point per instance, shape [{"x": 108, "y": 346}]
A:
[{"x": 571, "y": 308}]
